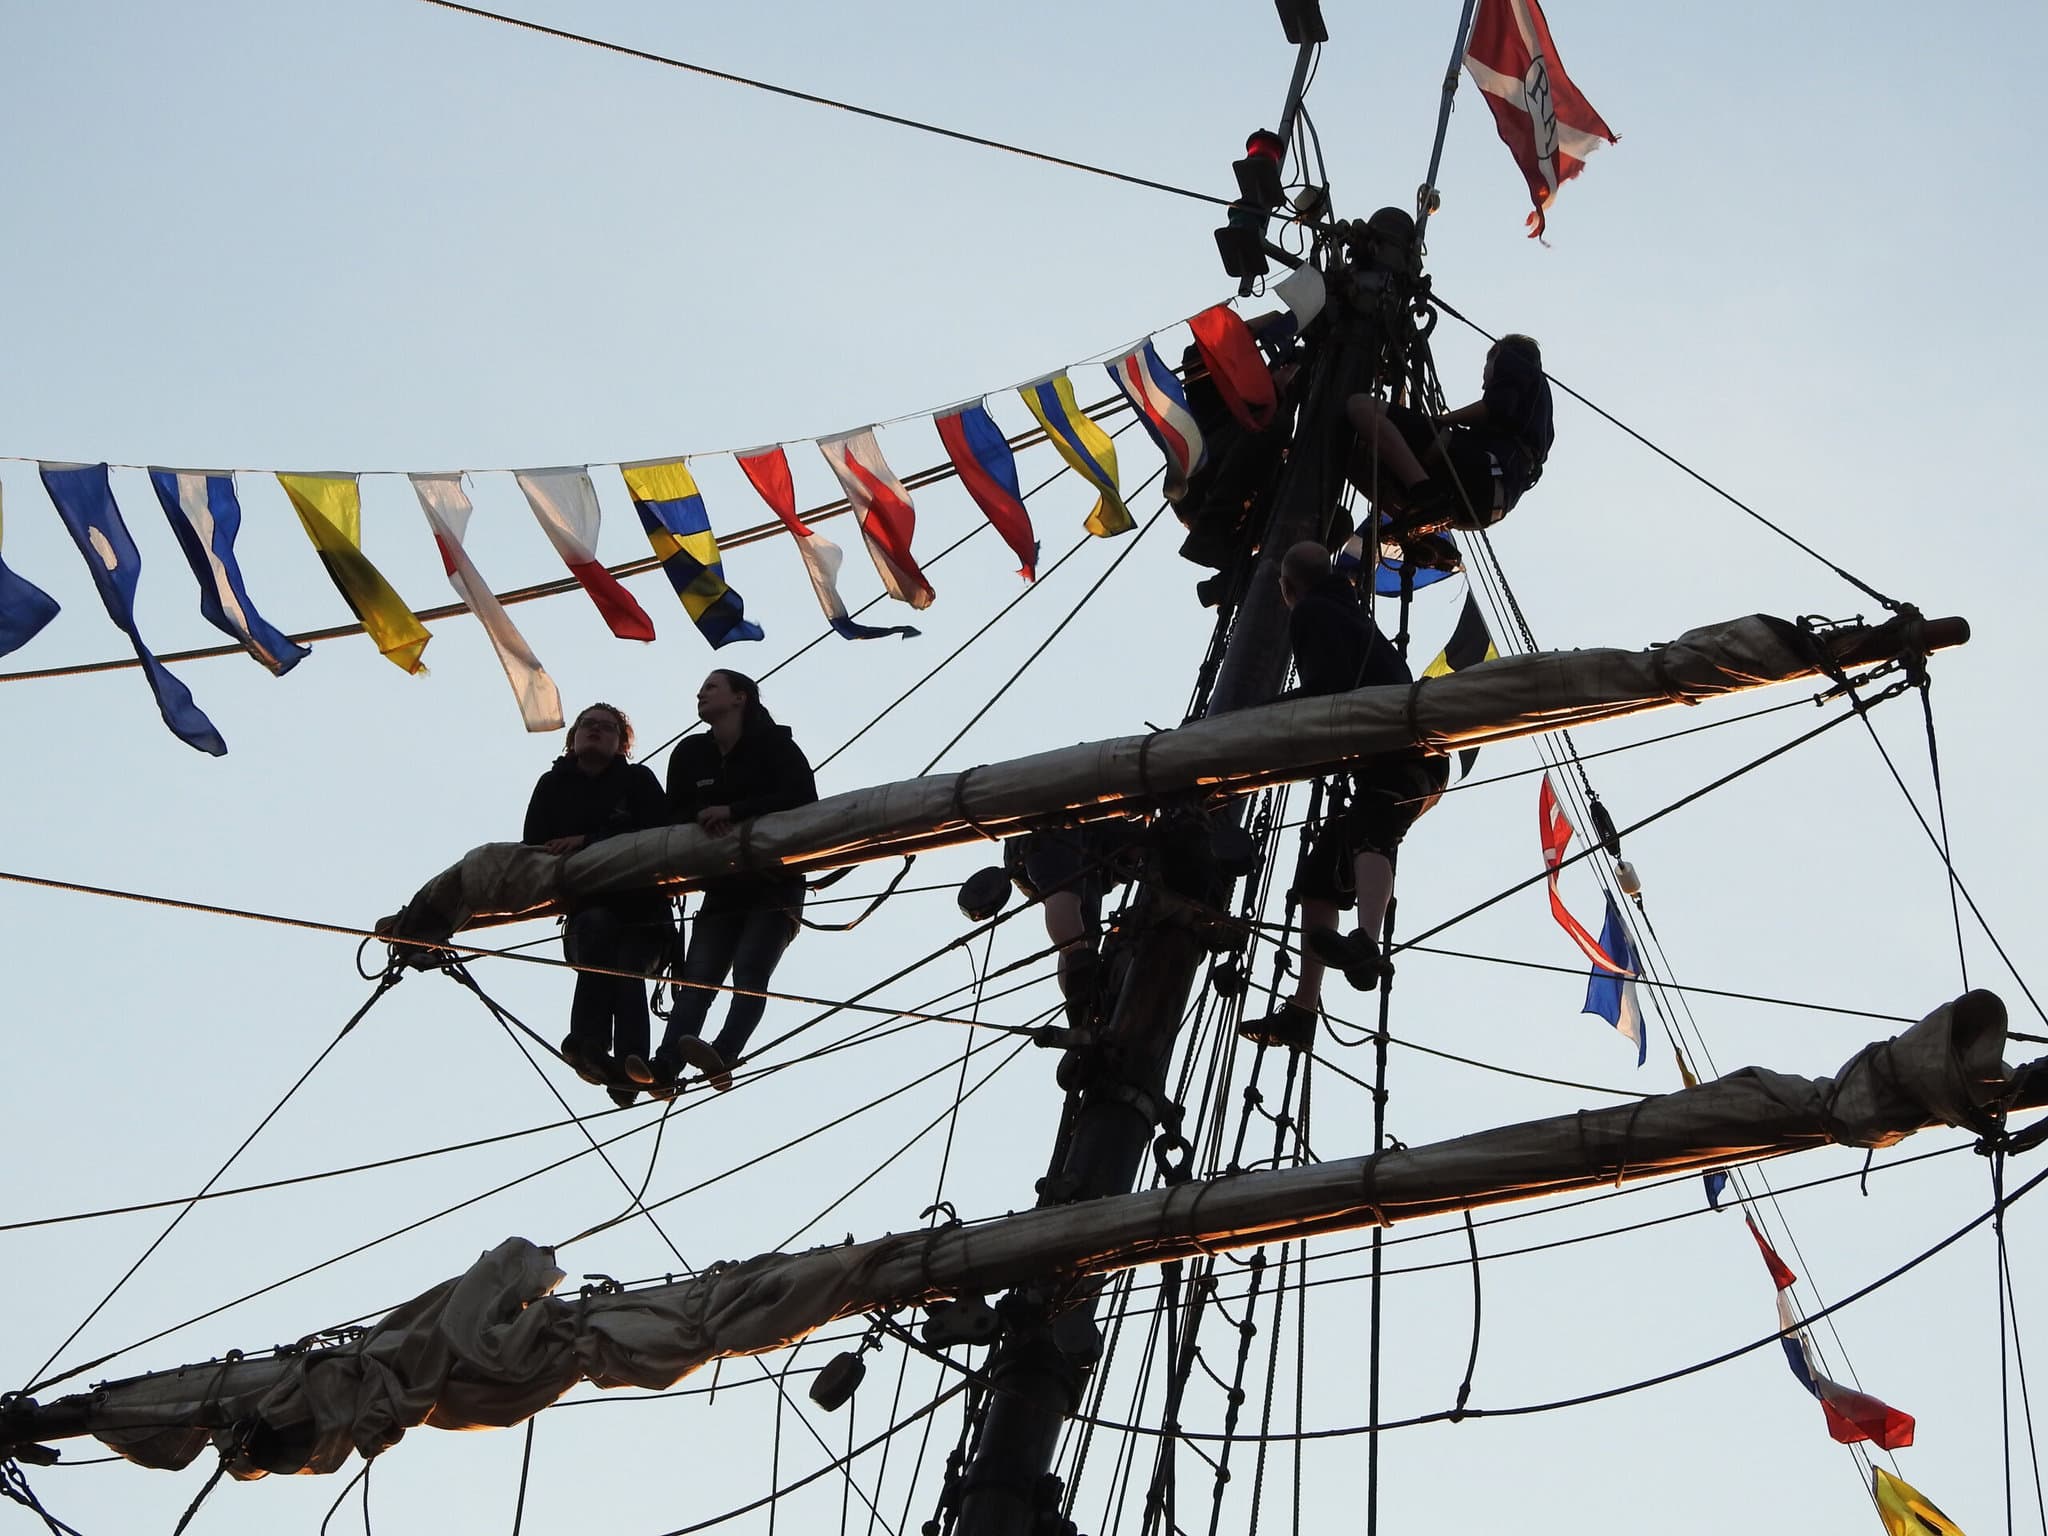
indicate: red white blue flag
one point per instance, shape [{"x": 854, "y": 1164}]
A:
[
  {"x": 1612, "y": 994},
  {"x": 1851, "y": 1415},
  {"x": 882, "y": 508},
  {"x": 1162, "y": 406},
  {"x": 768, "y": 471},
  {"x": 981, "y": 456},
  {"x": 1555, "y": 829},
  {"x": 1544, "y": 121}
]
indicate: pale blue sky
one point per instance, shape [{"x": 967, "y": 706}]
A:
[{"x": 387, "y": 237}]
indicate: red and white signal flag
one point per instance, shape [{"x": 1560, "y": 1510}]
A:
[{"x": 1544, "y": 121}]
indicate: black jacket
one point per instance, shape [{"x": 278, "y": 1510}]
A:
[
  {"x": 765, "y": 771},
  {"x": 625, "y": 797},
  {"x": 1336, "y": 647}
]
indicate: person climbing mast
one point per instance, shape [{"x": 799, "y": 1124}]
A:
[
  {"x": 591, "y": 793},
  {"x": 1465, "y": 469},
  {"x": 746, "y": 765},
  {"x": 1350, "y": 860}
]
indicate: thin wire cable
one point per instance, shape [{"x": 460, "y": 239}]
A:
[
  {"x": 1670, "y": 986},
  {"x": 455, "y": 1147},
  {"x": 636, "y": 1206},
  {"x": 40, "y": 1380},
  {"x": 474, "y": 951},
  {"x": 954, "y": 655},
  {"x": 525, "y": 1466},
  {"x": 1948, "y": 863},
  {"x": 498, "y": 1189},
  {"x": 1636, "y": 826},
  {"x": 838, "y": 1465},
  {"x": 1606, "y": 1393},
  {"x": 1630, "y": 746},
  {"x": 813, "y": 99},
  {"x": 1982, "y": 922},
  {"x": 1672, "y": 459},
  {"x": 2026, "y": 1396},
  {"x": 994, "y": 698}
]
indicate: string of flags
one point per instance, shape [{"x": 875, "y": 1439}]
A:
[
  {"x": 1852, "y": 1417},
  {"x": 204, "y": 510}
]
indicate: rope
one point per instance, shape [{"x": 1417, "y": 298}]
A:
[
  {"x": 1672, "y": 459},
  {"x": 1955, "y": 907},
  {"x": 793, "y": 94},
  {"x": 1007, "y": 683},
  {"x": 389, "y": 980},
  {"x": 525, "y": 1466},
  {"x": 14, "y": 1484},
  {"x": 1606, "y": 1393},
  {"x": 1669, "y": 986},
  {"x": 838, "y": 1465},
  {"x": 1636, "y": 826},
  {"x": 1958, "y": 887},
  {"x": 474, "y": 951}
]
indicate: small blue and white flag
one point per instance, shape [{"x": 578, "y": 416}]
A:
[
  {"x": 205, "y": 515},
  {"x": 85, "y": 502},
  {"x": 1612, "y": 996}
]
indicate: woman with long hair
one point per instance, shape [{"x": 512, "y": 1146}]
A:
[
  {"x": 593, "y": 792},
  {"x": 744, "y": 766}
]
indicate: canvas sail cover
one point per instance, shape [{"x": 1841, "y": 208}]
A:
[
  {"x": 492, "y": 1346},
  {"x": 1231, "y": 753}
]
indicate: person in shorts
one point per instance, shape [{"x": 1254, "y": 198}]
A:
[
  {"x": 1465, "y": 469},
  {"x": 1067, "y": 870},
  {"x": 1349, "y": 863}
]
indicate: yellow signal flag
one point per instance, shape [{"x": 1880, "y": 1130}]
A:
[
  {"x": 1088, "y": 450},
  {"x": 330, "y": 509},
  {"x": 1905, "y": 1510},
  {"x": 1471, "y": 643}
]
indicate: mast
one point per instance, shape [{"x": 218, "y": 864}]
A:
[{"x": 1039, "y": 1367}]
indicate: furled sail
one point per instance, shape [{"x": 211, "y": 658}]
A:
[
  {"x": 492, "y": 1346},
  {"x": 1230, "y": 753}
]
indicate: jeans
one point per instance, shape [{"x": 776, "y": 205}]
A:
[
  {"x": 608, "y": 1014},
  {"x": 744, "y": 941}
]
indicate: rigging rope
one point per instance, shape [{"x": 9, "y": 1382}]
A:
[
  {"x": 813, "y": 99},
  {"x": 1678, "y": 463},
  {"x": 40, "y": 1381},
  {"x": 1607, "y": 1393}
]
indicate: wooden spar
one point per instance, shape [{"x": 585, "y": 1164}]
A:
[
  {"x": 1945, "y": 1070},
  {"x": 1226, "y": 755}
]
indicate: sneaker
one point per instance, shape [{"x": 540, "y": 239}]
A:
[
  {"x": 636, "y": 1067},
  {"x": 704, "y": 1056},
  {"x": 1290, "y": 1026},
  {"x": 663, "y": 1084},
  {"x": 701, "y": 1054},
  {"x": 1357, "y": 956},
  {"x": 584, "y": 1062},
  {"x": 623, "y": 1097}
]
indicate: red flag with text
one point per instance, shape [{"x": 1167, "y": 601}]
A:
[{"x": 1544, "y": 121}]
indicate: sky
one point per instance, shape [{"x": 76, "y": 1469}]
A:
[{"x": 387, "y": 238}]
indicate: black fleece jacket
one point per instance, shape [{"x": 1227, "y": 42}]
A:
[
  {"x": 765, "y": 771},
  {"x": 624, "y": 797},
  {"x": 1336, "y": 647}
]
